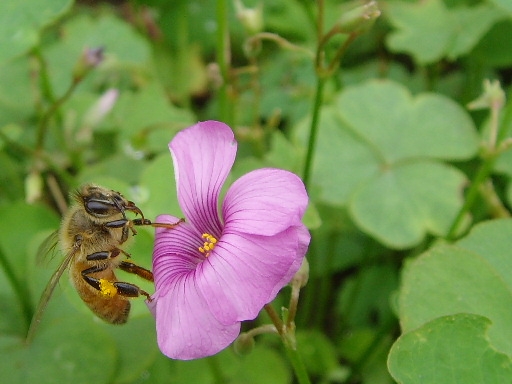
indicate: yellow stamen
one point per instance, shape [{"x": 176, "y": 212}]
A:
[
  {"x": 208, "y": 245},
  {"x": 107, "y": 288}
]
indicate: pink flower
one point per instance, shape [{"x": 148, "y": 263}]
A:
[{"x": 223, "y": 265}]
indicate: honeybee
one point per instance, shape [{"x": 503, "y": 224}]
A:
[{"x": 92, "y": 235}]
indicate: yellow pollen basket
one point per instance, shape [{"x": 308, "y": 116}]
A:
[
  {"x": 107, "y": 288},
  {"x": 208, "y": 245}
]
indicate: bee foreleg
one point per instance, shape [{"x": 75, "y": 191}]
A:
[
  {"x": 160, "y": 225},
  {"x": 135, "y": 269},
  {"x": 117, "y": 223}
]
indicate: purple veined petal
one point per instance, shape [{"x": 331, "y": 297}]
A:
[
  {"x": 304, "y": 238},
  {"x": 265, "y": 202},
  {"x": 186, "y": 329},
  {"x": 175, "y": 251},
  {"x": 203, "y": 156},
  {"x": 245, "y": 272}
]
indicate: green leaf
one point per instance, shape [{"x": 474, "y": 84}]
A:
[
  {"x": 397, "y": 126},
  {"x": 504, "y": 4},
  {"x": 468, "y": 277},
  {"x": 124, "y": 49},
  {"x": 378, "y": 153},
  {"x": 154, "y": 130},
  {"x": 115, "y": 172},
  {"x": 63, "y": 352},
  {"x": 158, "y": 180},
  {"x": 429, "y": 31},
  {"x": 136, "y": 345},
  {"x": 449, "y": 349},
  {"x": 491, "y": 240},
  {"x": 400, "y": 206},
  {"x": 284, "y": 154},
  {"x": 495, "y": 48},
  {"x": 342, "y": 161},
  {"x": 15, "y": 85},
  {"x": 21, "y": 22},
  {"x": 28, "y": 220}
]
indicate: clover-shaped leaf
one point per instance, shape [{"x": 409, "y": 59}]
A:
[
  {"x": 469, "y": 277},
  {"x": 401, "y": 204},
  {"x": 22, "y": 20},
  {"x": 429, "y": 31},
  {"x": 456, "y": 346},
  {"x": 379, "y": 152}
]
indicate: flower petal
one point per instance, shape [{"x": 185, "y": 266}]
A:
[
  {"x": 304, "y": 238},
  {"x": 186, "y": 329},
  {"x": 244, "y": 272},
  {"x": 203, "y": 156},
  {"x": 265, "y": 202},
  {"x": 175, "y": 251}
]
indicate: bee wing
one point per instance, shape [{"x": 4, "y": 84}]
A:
[
  {"x": 47, "y": 293},
  {"x": 47, "y": 250}
]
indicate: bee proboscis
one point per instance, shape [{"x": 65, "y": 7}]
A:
[{"x": 92, "y": 235}]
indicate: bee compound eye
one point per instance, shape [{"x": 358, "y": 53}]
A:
[{"x": 99, "y": 208}]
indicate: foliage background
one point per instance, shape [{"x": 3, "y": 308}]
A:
[{"x": 410, "y": 191}]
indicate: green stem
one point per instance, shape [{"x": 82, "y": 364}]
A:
[
  {"x": 287, "y": 334},
  {"x": 482, "y": 174},
  {"x": 333, "y": 66},
  {"x": 44, "y": 78},
  {"x": 281, "y": 42},
  {"x": 223, "y": 61},
  {"x": 313, "y": 131},
  {"x": 276, "y": 320},
  {"x": 45, "y": 119},
  {"x": 294, "y": 301},
  {"x": 494, "y": 202},
  {"x": 491, "y": 153},
  {"x": 297, "y": 364}
]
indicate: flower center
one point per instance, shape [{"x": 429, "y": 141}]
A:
[{"x": 208, "y": 245}]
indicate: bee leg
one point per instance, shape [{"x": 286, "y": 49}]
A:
[
  {"x": 130, "y": 290},
  {"x": 104, "y": 255},
  {"x": 112, "y": 288},
  {"x": 161, "y": 225},
  {"x": 125, "y": 224},
  {"x": 130, "y": 225},
  {"x": 135, "y": 269}
]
